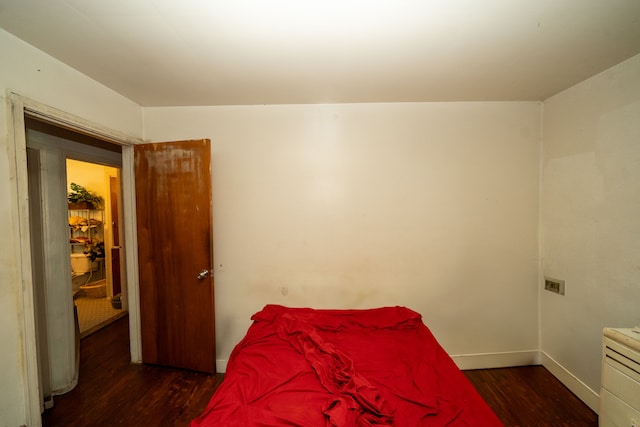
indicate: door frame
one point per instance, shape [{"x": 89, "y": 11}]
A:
[{"x": 19, "y": 107}]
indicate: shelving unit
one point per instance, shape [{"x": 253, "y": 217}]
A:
[{"x": 86, "y": 230}]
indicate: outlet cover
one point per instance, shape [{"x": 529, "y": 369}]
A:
[{"x": 554, "y": 285}]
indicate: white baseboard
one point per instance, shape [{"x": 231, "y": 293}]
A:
[
  {"x": 580, "y": 389},
  {"x": 221, "y": 366},
  {"x": 497, "y": 360}
]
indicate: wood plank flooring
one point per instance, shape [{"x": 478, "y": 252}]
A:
[
  {"x": 113, "y": 392},
  {"x": 530, "y": 396}
]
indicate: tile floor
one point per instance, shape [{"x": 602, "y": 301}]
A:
[{"x": 95, "y": 313}]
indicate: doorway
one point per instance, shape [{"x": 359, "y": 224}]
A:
[
  {"x": 95, "y": 246},
  {"x": 23, "y": 109},
  {"x": 71, "y": 246}
]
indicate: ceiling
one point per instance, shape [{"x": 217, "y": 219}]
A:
[{"x": 234, "y": 52}]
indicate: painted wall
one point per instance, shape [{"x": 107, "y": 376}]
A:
[
  {"x": 431, "y": 206},
  {"x": 94, "y": 177},
  {"x": 591, "y": 216},
  {"x": 32, "y": 74}
]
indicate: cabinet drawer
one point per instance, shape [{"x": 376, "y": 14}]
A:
[
  {"x": 621, "y": 385},
  {"x": 622, "y": 357},
  {"x": 614, "y": 412}
]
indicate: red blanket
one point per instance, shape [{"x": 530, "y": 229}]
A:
[{"x": 377, "y": 367}]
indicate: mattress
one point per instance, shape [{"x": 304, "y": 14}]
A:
[{"x": 373, "y": 367}]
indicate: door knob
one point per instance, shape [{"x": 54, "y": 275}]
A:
[{"x": 203, "y": 274}]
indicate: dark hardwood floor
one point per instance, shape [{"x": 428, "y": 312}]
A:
[
  {"x": 530, "y": 396},
  {"x": 113, "y": 392}
]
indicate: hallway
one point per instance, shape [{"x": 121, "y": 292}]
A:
[{"x": 95, "y": 313}]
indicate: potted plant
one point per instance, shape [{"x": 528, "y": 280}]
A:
[
  {"x": 81, "y": 198},
  {"x": 94, "y": 249}
]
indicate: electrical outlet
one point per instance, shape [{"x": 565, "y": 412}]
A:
[{"x": 554, "y": 285}]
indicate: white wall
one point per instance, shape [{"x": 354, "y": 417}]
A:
[
  {"x": 591, "y": 216},
  {"x": 35, "y": 75},
  {"x": 432, "y": 206}
]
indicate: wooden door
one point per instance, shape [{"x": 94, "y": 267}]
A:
[{"x": 174, "y": 222}]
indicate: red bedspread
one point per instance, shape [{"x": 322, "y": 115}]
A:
[{"x": 377, "y": 367}]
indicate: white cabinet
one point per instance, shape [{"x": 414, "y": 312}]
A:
[{"x": 620, "y": 392}]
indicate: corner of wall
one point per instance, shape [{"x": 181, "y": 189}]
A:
[
  {"x": 577, "y": 387},
  {"x": 540, "y": 234}
]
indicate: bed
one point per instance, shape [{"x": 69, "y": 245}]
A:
[{"x": 372, "y": 367}]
